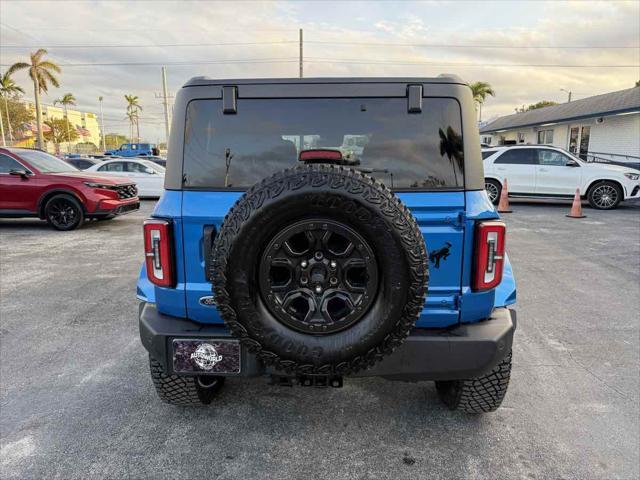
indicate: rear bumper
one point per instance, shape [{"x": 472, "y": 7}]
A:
[{"x": 462, "y": 352}]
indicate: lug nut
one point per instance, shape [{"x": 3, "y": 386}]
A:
[
  {"x": 318, "y": 255},
  {"x": 318, "y": 289},
  {"x": 304, "y": 280},
  {"x": 333, "y": 281},
  {"x": 304, "y": 264},
  {"x": 333, "y": 264}
]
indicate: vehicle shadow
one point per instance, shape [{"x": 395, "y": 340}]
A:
[{"x": 41, "y": 225}]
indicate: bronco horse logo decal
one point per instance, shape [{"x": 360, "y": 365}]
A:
[{"x": 441, "y": 254}]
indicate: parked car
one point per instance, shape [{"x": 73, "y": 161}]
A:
[
  {"x": 81, "y": 163},
  {"x": 271, "y": 257},
  {"x": 148, "y": 176},
  {"x": 36, "y": 184},
  {"x": 134, "y": 150},
  {"x": 159, "y": 160},
  {"x": 551, "y": 172}
]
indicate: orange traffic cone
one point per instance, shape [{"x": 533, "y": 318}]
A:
[
  {"x": 576, "y": 208},
  {"x": 503, "y": 205}
]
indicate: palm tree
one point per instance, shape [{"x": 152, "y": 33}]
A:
[
  {"x": 132, "y": 116},
  {"x": 452, "y": 147},
  {"x": 66, "y": 100},
  {"x": 134, "y": 106},
  {"x": 40, "y": 71},
  {"x": 480, "y": 90},
  {"x": 8, "y": 88}
]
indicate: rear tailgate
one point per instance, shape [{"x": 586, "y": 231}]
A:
[{"x": 439, "y": 215}]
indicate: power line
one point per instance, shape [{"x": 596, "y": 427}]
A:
[
  {"x": 327, "y": 42},
  {"x": 153, "y": 45},
  {"x": 453, "y": 45},
  {"x": 177, "y": 63},
  {"x": 461, "y": 64},
  {"x": 341, "y": 60}
]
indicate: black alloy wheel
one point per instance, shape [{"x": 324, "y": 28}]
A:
[
  {"x": 63, "y": 212},
  {"x": 318, "y": 276}
]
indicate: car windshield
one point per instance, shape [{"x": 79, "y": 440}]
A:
[{"x": 45, "y": 162}]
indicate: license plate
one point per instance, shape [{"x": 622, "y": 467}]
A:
[{"x": 206, "y": 356}]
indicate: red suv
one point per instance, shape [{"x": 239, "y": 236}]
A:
[{"x": 36, "y": 184}]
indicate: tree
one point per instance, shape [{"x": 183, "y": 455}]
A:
[
  {"x": 133, "y": 106},
  {"x": 452, "y": 146},
  {"x": 16, "y": 115},
  {"x": 66, "y": 100},
  {"x": 535, "y": 106},
  {"x": 480, "y": 90},
  {"x": 132, "y": 116},
  {"x": 61, "y": 131},
  {"x": 40, "y": 72},
  {"x": 113, "y": 141},
  {"x": 638, "y": 83},
  {"x": 8, "y": 88}
]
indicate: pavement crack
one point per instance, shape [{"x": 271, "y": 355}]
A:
[{"x": 590, "y": 372}]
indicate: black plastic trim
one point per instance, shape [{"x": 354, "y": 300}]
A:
[
  {"x": 461, "y": 352},
  {"x": 229, "y": 99}
]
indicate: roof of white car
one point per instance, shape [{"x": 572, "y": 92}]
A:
[{"x": 507, "y": 147}]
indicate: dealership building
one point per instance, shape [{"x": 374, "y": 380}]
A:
[{"x": 601, "y": 127}]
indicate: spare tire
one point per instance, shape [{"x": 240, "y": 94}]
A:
[{"x": 319, "y": 269}]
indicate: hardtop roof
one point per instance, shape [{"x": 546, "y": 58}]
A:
[{"x": 203, "y": 81}]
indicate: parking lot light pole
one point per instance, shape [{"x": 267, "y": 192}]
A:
[
  {"x": 301, "y": 56},
  {"x": 104, "y": 133},
  {"x": 165, "y": 103},
  {"x": 567, "y": 91}
]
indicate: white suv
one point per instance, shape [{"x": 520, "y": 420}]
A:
[{"x": 549, "y": 172}]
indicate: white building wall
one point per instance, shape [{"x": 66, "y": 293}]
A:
[{"x": 618, "y": 134}]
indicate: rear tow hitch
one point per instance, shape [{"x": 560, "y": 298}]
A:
[{"x": 319, "y": 381}]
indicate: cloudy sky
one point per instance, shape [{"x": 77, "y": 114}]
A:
[{"x": 526, "y": 50}]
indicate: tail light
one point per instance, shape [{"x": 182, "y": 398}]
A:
[
  {"x": 489, "y": 255},
  {"x": 158, "y": 252}
]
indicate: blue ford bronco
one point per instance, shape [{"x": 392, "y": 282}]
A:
[{"x": 318, "y": 229}]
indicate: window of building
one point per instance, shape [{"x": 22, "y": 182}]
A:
[
  {"x": 520, "y": 137},
  {"x": 545, "y": 137}
]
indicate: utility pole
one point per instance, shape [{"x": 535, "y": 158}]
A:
[
  {"x": 4, "y": 143},
  {"x": 567, "y": 91},
  {"x": 165, "y": 103},
  {"x": 301, "y": 56},
  {"x": 104, "y": 132}
]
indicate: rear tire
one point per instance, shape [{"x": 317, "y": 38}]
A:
[
  {"x": 604, "y": 195},
  {"x": 493, "y": 188},
  {"x": 477, "y": 395},
  {"x": 63, "y": 212},
  {"x": 184, "y": 391}
]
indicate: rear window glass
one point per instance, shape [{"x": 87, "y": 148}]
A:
[{"x": 375, "y": 135}]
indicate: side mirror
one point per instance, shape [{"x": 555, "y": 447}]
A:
[
  {"x": 150, "y": 171},
  {"x": 572, "y": 163},
  {"x": 20, "y": 173}
]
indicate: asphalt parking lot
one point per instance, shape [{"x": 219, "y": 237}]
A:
[{"x": 76, "y": 400}]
